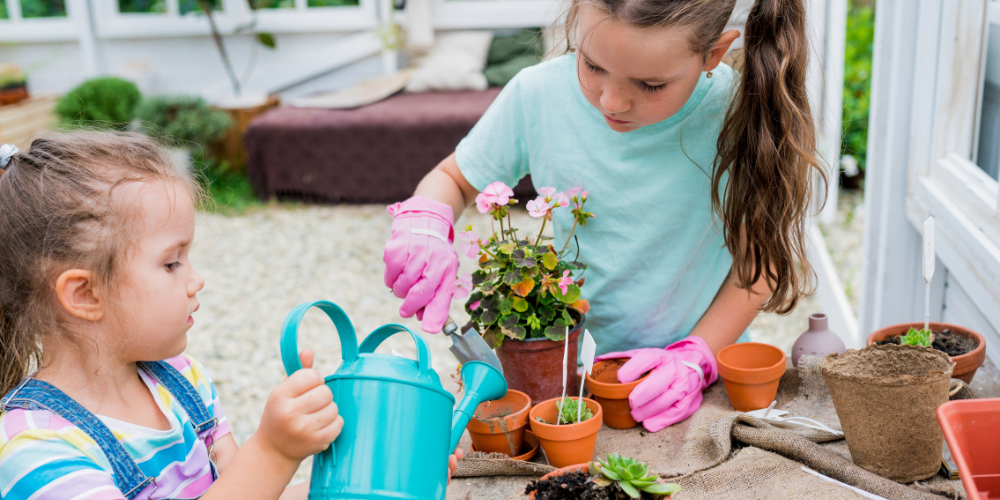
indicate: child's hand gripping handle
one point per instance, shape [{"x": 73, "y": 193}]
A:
[
  {"x": 290, "y": 333},
  {"x": 421, "y": 265}
]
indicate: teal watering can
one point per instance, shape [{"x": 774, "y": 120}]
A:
[{"x": 399, "y": 425}]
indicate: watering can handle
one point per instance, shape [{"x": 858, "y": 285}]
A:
[
  {"x": 383, "y": 332},
  {"x": 290, "y": 334}
]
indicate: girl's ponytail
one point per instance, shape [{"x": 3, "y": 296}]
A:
[{"x": 767, "y": 157}]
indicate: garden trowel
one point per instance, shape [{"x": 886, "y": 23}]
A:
[{"x": 470, "y": 346}]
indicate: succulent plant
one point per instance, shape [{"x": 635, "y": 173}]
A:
[
  {"x": 917, "y": 337},
  {"x": 570, "y": 408},
  {"x": 631, "y": 475}
]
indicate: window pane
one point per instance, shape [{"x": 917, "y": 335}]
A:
[
  {"x": 988, "y": 151},
  {"x": 273, "y": 4},
  {"x": 332, "y": 3},
  {"x": 189, "y": 6},
  {"x": 142, "y": 6},
  {"x": 43, "y": 8}
]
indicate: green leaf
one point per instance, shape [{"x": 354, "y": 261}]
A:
[
  {"x": 533, "y": 323},
  {"x": 507, "y": 247},
  {"x": 629, "y": 489},
  {"x": 662, "y": 489},
  {"x": 646, "y": 481},
  {"x": 636, "y": 471},
  {"x": 916, "y": 337},
  {"x": 493, "y": 337},
  {"x": 520, "y": 305},
  {"x": 610, "y": 474},
  {"x": 267, "y": 40},
  {"x": 478, "y": 278},
  {"x": 506, "y": 306},
  {"x": 550, "y": 261},
  {"x": 521, "y": 259},
  {"x": 547, "y": 314},
  {"x": 557, "y": 331},
  {"x": 572, "y": 294},
  {"x": 513, "y": 277}
]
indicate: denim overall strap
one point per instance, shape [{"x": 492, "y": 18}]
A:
[
  {"x": 34, "y": 394},
  {"x": 185, "y": 394}
]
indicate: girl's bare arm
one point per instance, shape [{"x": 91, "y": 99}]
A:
[{"x": 447, "y": 184}]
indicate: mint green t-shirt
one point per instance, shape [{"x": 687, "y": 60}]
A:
[{"x": 655, "y": 251}]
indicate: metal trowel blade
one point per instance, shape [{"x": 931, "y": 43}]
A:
[{"x": 470, "y": 346}]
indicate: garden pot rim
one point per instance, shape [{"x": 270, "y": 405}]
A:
[
  {"x": 725, "y": 368},
  {"x": 480, "y": 425},
  {"x": 566, "y": 432},
  {"x": 905, "y": 380},
  {"x": 604, "y": 389}
]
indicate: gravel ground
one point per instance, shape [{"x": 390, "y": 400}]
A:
[{"x": 259, "y": 266}]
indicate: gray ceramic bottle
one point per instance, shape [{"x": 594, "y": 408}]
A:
[{"x": 818, "y": 340}]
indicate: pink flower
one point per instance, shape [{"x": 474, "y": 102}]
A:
[
  {"x": 463, "y": 286},
  {"x": 561, "y": 201},
  {"x": 573, "y": 192},
  {"x": 538, "y": 207},
  {"x": 469, "y": 243},
  {"x": 583, "y": 195},
  {"x": 482, "y": 203},
  {"x": 546, "y": 192},
  {"x": 496, "y": 193},
  {"x": 565, "y": 282},
  {"x": 475, "y": 305}
]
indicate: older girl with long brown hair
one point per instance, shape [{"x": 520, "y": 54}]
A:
[{"x": 701, "y": 177}]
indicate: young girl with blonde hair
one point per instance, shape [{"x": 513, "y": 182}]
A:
[
  {"x": 96, "y": 295},
  {"x": 700, "y": 176}
]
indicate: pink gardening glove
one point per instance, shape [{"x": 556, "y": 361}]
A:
[
  {"x": 421, "y": 265},
  {"x": 673, "y": 390}
]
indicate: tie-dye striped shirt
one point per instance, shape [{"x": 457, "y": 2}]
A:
[{"x": 44, "y": 457}]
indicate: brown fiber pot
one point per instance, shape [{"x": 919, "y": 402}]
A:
[
  {"x": 561, "y": 471},
  {"x": 886, "y": 397},
  {"x": 566, "y": 444},
  {"x": 534, "y": 366},
  {"x": 965, "y": 365},
  {"x": 498, "y": 426},
  {"x": 613, "y": 395},
  {"x": 751, "y": 372}
]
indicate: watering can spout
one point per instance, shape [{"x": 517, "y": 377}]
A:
[{"x": 482, "y": 383}]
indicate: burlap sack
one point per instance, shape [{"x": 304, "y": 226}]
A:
[{"x": 887, "y": 398}]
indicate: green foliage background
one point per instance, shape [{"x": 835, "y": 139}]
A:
[
  {"x": 106, "y": 102},
  {"x": 858, "y": 78}
]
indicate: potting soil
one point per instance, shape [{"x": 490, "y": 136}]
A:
[
  {"x": 944, "y": 341},
  {"x": 577, "y": 486},
  {"x": 719, "y": 453}
]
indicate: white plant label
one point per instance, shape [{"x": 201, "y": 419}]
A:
[
  {"x": 929, "y": 259},
  {"x": 587, "y": 353},
  {"x": 565, "y": 369}
]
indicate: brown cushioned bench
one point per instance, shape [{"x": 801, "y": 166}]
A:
[{"x": 376, "y": 153}]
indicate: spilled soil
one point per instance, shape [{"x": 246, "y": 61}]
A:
[
  {"x": 577, "y": 486},
  {"x": 952, "y": 344}
]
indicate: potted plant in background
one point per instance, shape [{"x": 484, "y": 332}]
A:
[
  {"x": 524, "y": 299},
  {"x": 619, "y": 476},
  {"x": 13, "y": 85},
  {"x": 182, "y": 123},
  {"x": 567, "y": 429},
  {"x": 106, "y": 102}
]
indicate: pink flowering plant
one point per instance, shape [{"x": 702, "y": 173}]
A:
[{"x": 524, "y": 287}]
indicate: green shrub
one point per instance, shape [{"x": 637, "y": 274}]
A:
[
  {"x": 857, "y": 79},
  {"x": 182, "y": 120},
  {"x": 107, "y": 102}
]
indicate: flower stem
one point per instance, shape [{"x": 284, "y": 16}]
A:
[
  {"x": 483, "y": 248},
  {"x": 571, "y": 231},
  {"x": 539, "y": 238},
  {"x": 510, "y": 224}
]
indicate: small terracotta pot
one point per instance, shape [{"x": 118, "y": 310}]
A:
[
  {"x": 535, "y": 366},
  {"x": 751, "y": 372},
  {"x": 529, "y": 448},
  {"x": 611, "y": 394},
  {"x": 13, "y": 95},
  {"x": 965, "y": 365},
  {"x": 498, "y": 426},
  {"x": 566, "y": 444},
  {"x": 559, "y": 472}
]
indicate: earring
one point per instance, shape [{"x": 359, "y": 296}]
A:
[{"x": 709, "y": 75}]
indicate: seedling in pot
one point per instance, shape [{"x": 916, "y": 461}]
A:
[
  {"x": 631, "y": 475},
  {"x": 917, "y": 337}
]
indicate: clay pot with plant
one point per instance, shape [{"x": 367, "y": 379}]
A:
[
  {"x": 499, "y": 426},
  {"x": 567, "y": 429},
  {"x": 615, "y": 477},
  {"x": 613, "y": 395},
  {"x": 13, "y": 85},
  {"x": 966, "y": 347},
  {"x": 524, "y": 299}
]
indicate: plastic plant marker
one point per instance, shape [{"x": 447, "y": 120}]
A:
[
  {"x": 587, "y": 355},
  {"x": 565, "y": 367},
  {"x": 928, "y": 268}
]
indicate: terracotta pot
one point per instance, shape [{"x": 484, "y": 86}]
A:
[
  {"x": 534, "y": 366},
  {"x": 566, "y": 444},
  {"x": 498, "y": 426},
  {"x": 751, "y": 372},
  {"x": 612, "y": 395},
  {"x": 13, "y": 95},
  {"x": 559, "y": 472},
  {"x": 970, "y": 428},
  {"x": 529, "y": 448},
  {"x": 965, "y": 365}
]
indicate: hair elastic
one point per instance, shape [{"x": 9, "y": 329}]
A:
[{"x": 7, "y": 151}]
